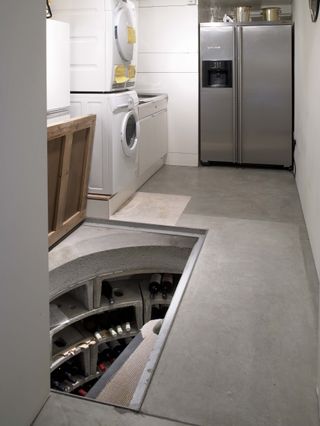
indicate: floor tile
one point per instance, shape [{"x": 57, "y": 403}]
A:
[{"x": 159, "y": 209}]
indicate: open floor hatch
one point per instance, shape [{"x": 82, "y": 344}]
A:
[{"x": 114, "y": 291}]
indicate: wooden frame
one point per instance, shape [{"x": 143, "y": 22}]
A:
[{"x": 69, "y": 158}]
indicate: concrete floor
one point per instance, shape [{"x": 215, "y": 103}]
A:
[
  {"x": 232, "y": 192},
  {"x": 250, "y": 312},
  {"x": 60, "y": 410},
  {"x": 242, "y": 350}
]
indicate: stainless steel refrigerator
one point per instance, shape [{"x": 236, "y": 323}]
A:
[{"x": 246, "y": 93}]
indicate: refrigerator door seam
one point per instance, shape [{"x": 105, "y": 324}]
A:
[
  {"x": 239, "y": 91},
  {"x": 235, "y": 98}
]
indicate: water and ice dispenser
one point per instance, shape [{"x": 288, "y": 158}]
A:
[{"x": 216, "y": 74}]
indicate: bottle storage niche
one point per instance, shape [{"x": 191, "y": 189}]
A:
[
  {"x": 93, "y": 323},
  {"x": 68, "y": 307}
]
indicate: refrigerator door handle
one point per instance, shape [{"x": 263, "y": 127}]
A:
[
  {"x": 235, "y": 97},
  {"x": 239, "y": 89}
]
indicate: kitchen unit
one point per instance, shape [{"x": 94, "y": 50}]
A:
[
  {"x": 103, "y": 61},
  {"x": 114, "y": 163},
  {"x": 168, "y": 63},
  {"x": 153, "y": 121},
  {"x": 58, "y": 70},
  {"x": 246, "y": 93},
  {"x": 103, "y": 43}
]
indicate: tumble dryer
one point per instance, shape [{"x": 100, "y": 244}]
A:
[
  {"x": 114, "y": 163},
  {"x": 103, "y": 43}
]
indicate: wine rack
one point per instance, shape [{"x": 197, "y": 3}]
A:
[
  {"x": 70, "y": 306},
  {"x": 90, "y": 321},
  {"x": 157, "y": 301},
  {"x": 70, "y": 342}
]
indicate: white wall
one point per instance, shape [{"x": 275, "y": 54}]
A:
[
  {"x": 307, "y": 124},
  {"x": 168, "y": 63},
  {"x": 24, "y": 323},
  {"x": 307, "y": 119}
]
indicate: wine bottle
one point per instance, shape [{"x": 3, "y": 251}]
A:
[
  {"x": 113, "y": 332},
  {"x": 61, "y": 374},
  {"x": 98, "y": 335},
  {"x": 106, "y": 355},
  {"x": 154, "y": 284},
  {"x": 60, "y": 386},
  {"x": 70, "y": 377},
  {"x": 119, "y": 330},
  {"x": 127, "y": 327},
  {"x": 116, "y": 349},
  {"x": 102, "y": 347},
  {"x": 102, "y": 366},
  {"x": 82, "y": 392},
  {"x": 166, "y": 285},
  {"x": 122, "y": 343},
  {"x": 73, "y": 368},
  {"x": 107, "y": 291}
]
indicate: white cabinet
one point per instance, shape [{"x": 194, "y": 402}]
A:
[
  {"x": 153, "y": 140},
  {"x": 168, "y": 29},
  {"x": 58, "y": 65},
  {"x": 182, "y": 90},
  {"x": 95, "y": 49},
  {"x": 168, "y": 63}
]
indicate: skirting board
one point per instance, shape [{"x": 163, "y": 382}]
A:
[
  {"x": 182, "y": 159},
  {"x": 318, "y": 397}
]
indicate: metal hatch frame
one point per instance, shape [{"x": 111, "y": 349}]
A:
[{"x": 151, "y": 365}]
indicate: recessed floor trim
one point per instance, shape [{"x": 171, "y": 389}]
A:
[{"x": 145, "y": 380}]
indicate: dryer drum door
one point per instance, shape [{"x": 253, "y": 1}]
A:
[
  {"x": 130, "y": 133},
  {"x": 125, "y": 34}
]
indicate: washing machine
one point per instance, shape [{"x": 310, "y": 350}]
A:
[
  {"x": 102, "y": 43},
  {"x": 114, "y": 163}
]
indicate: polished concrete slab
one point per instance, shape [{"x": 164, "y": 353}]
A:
[
  {"x": 245, "y": 193},
  {"x": 242, "y": 350},
  {"x": 62, "y": 410},
  {"x": 243, "y": 347}
]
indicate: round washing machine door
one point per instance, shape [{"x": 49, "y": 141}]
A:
[
  {"x": 125, "y": 33},
  {"x": 130, "y": 133}
]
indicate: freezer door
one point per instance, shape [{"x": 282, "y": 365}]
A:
[
  {"x": 217, "y": 94},
  {"x": 265, "y": 95}
]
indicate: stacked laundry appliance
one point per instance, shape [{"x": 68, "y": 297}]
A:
[{"x": 103, "y": 71}]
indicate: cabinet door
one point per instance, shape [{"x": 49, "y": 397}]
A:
[
  {"x": 168, "y": 29},
  {"x": 265, "y": 95},
  {"x": 153, "y": 140},
  {"x": 88, "y": 47}
]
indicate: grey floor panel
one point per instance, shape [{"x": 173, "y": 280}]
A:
[
  {"x": 232, "y": 192},
  {"x": 243, "y": 348},
  {"x": 61, "y": 410}
]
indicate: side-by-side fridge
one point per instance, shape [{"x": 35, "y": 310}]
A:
[{"x": 246, "y": 93}]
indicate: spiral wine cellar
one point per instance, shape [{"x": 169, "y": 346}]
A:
[{"x": 114, "y": 292}]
